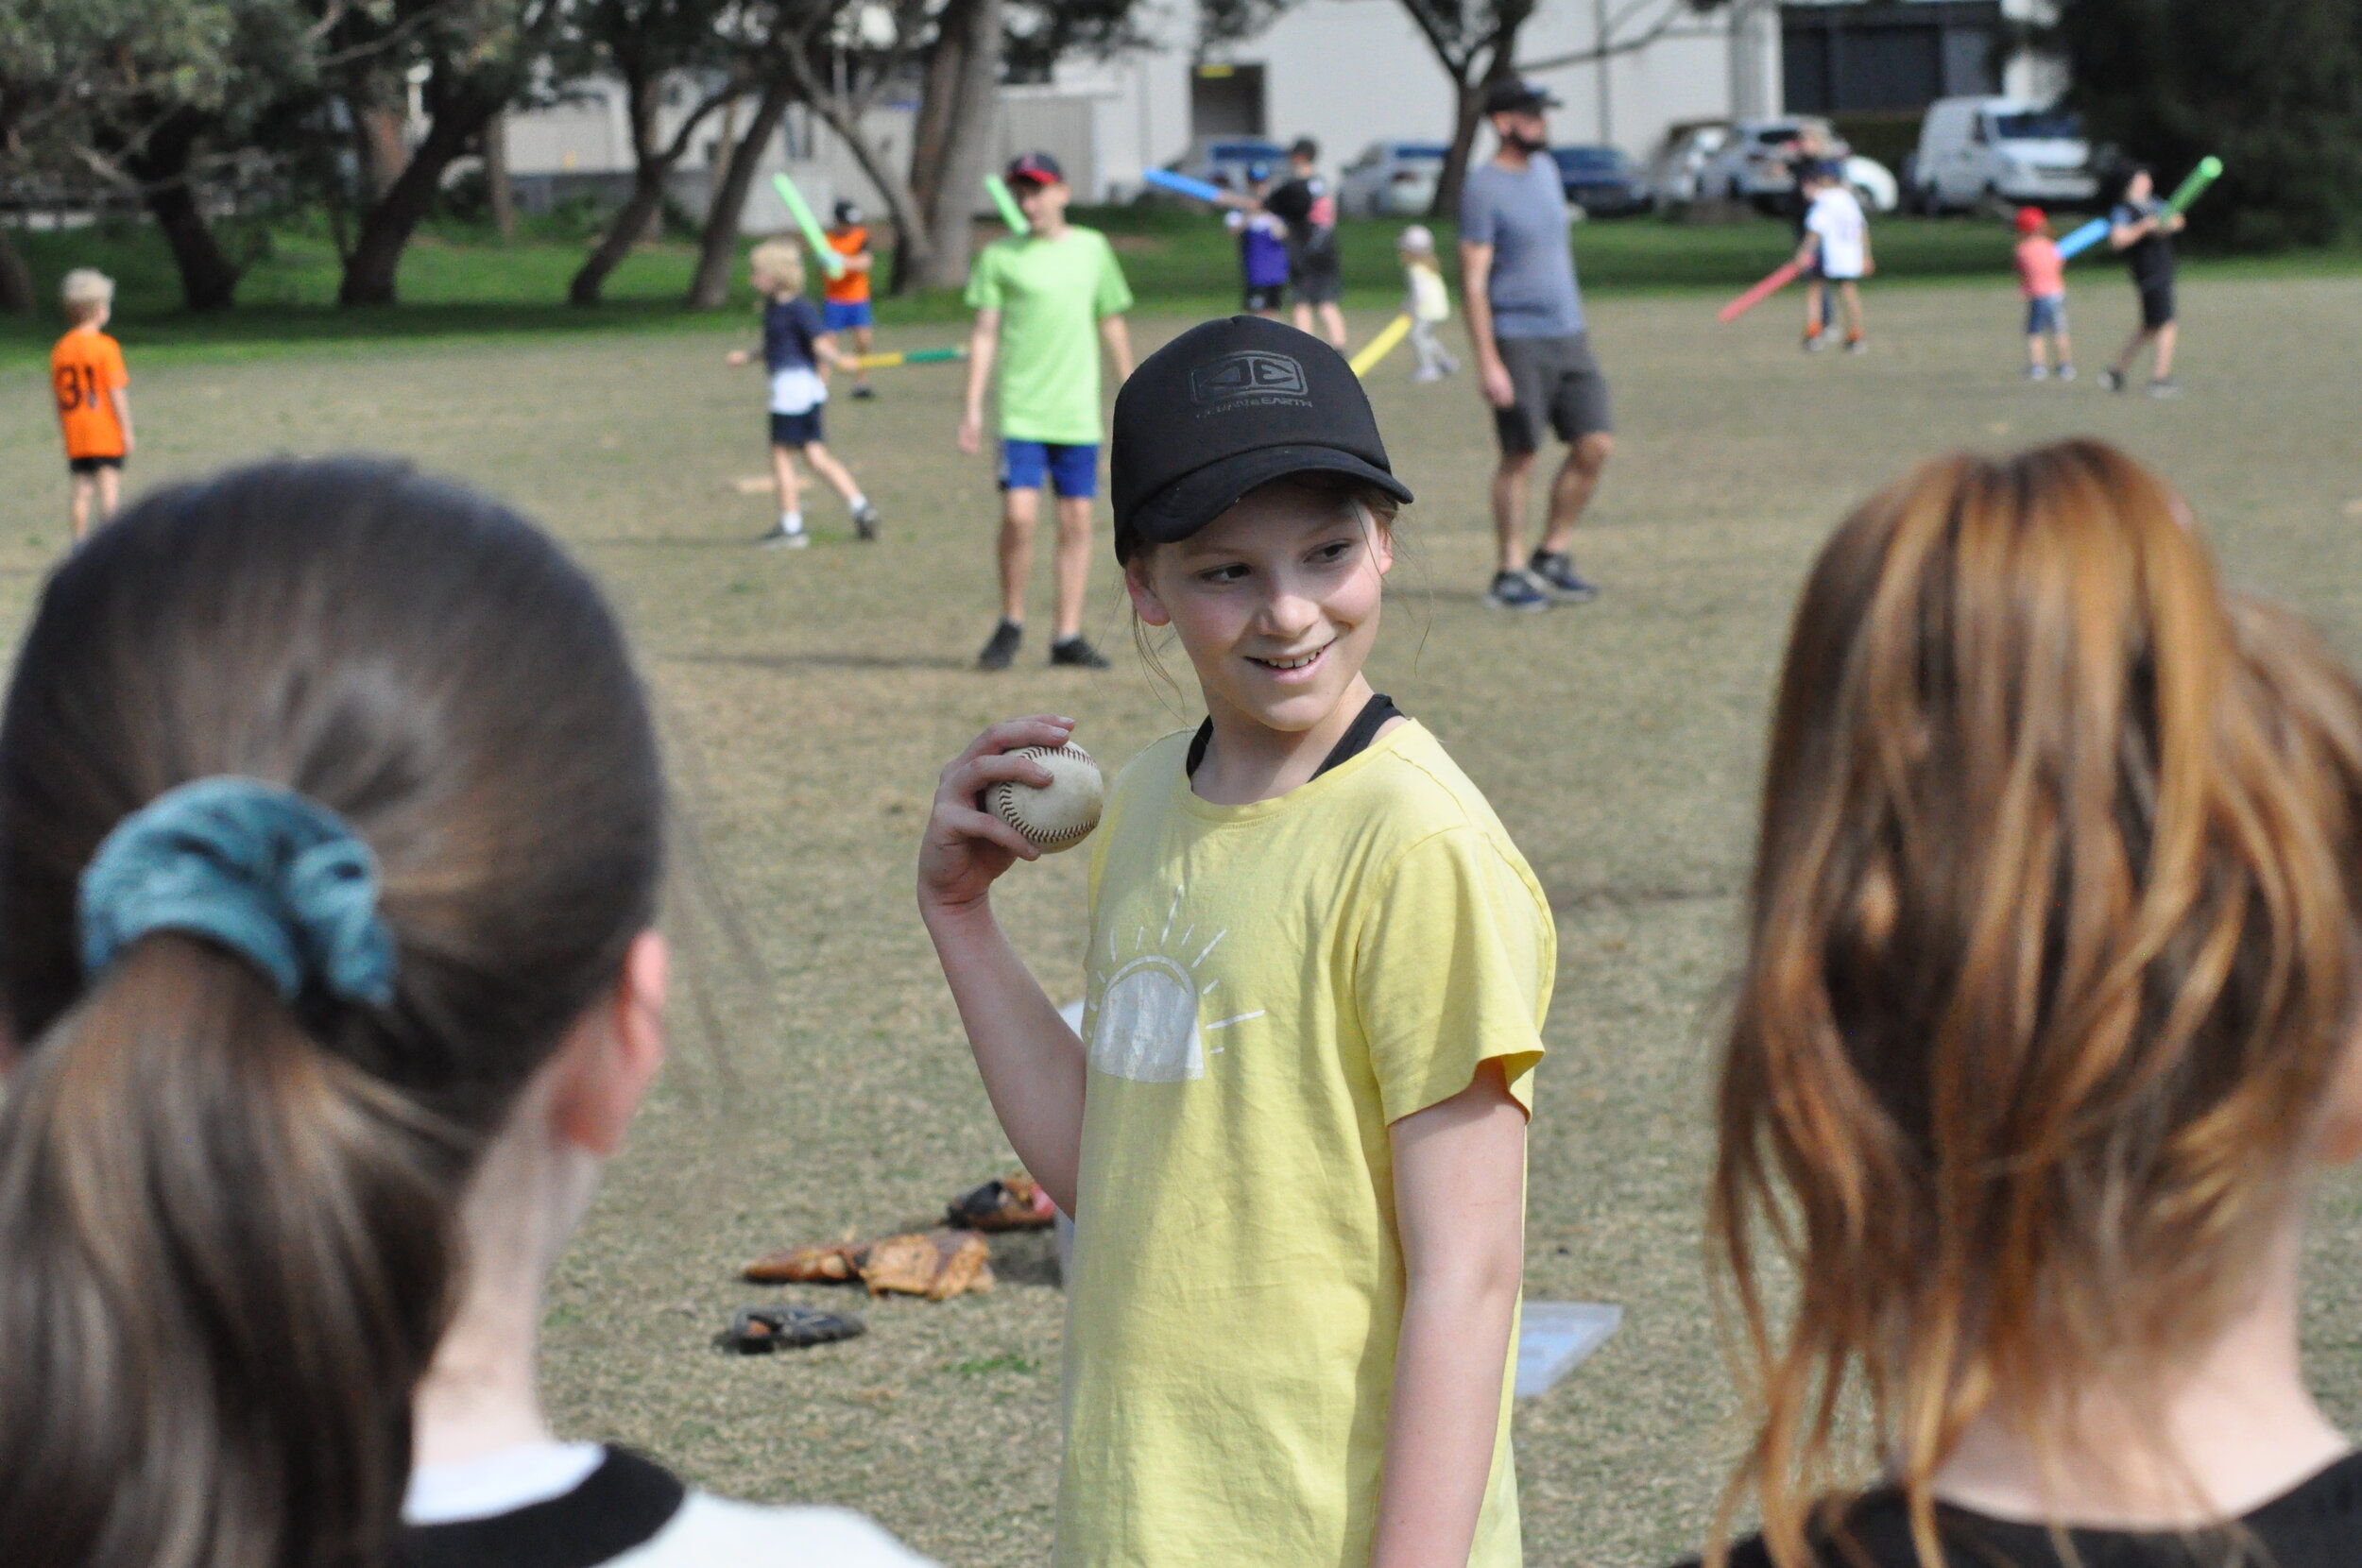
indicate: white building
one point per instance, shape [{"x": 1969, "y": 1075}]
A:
[{"x": 1351, "y": 71}]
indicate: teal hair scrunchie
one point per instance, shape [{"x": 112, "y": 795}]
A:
[{"x": 275, "y": 877}]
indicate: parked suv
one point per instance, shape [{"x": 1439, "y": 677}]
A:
[
  {"x": 1601, "y": 182},
  {"x": 1392, "y": 179},
  {"x": 1224, "y": 160},
  {"x": 1752, "y": 164},
  {"x": 1999, "y": 149}
]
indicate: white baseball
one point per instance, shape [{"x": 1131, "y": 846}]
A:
[{"x": 1061, "y": 813}]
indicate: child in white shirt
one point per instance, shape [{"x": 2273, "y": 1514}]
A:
[
  {"x": 1428, "y": 303},
  {"x": 1835, "y": 251}
]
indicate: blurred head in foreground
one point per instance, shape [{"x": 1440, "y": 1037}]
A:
[
  {"x": 2044, "y": 1020},
  {"x": 377, "y": 809}
]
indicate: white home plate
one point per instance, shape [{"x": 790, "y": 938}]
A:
[{"x": 1557, "y": 1337}]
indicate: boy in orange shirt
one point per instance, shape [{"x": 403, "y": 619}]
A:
[
  {"x": 845, "y": 298},
  {"x": 93, "y": 400}
]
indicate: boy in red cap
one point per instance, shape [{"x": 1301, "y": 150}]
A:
[{"x": 2042, "y": 278}]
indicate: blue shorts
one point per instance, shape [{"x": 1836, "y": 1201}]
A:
[
  {"x": 2047, "y": 314},
  {"x": 797, "y": 430},
  {"x": 1074, "y": 470},
  {"x": 837, "y": 314}
]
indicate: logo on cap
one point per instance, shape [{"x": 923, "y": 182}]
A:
[{"x": 1249, "y": 374}]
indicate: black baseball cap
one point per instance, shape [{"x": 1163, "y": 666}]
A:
[
  {"x": 849, "y": 213},
  {"x": 1514, "y": 96},
  {"x": 1225, "y": 407},
  {"x": 1034, "y": 168}
]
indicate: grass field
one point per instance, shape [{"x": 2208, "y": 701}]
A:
[
  {"x": 811, "y": 697},
  {"x": 457, "y": 282}
]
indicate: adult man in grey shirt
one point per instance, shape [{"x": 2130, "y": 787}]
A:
[{"x": 1533, "y": 357}]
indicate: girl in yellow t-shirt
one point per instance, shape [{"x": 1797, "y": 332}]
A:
[{"x": 1291, "y": 1130}]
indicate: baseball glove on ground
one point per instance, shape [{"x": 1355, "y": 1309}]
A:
[
  {"x": 837, "y": 1265},
  {"x": 1012, "y": 1203},
  {"x": 937, "y": 1266}
]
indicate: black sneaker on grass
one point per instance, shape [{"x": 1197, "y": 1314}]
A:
[
  {"x": 1002, "y": 650},
  {"x": 2111, "y": 379},
  {"x": 862, "y": 391},
  {"x": 1516, "y": 590},
  {"x": 1077, "y": 652},
  {"x": 865, "y": 520},
  {"x": 1556, "y": 571}
]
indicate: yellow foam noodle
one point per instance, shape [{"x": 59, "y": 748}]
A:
[{"x": 1380, "y": 347}]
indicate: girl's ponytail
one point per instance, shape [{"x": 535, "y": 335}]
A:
[
  {"x": 329, "y": 803},
  {"x": 228, "y": 1259}
]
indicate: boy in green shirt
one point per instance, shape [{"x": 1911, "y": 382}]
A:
[{"x": 1038, "y": 298}]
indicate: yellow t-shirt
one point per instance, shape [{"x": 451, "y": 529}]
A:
[{"x": 1270, "y": 986}]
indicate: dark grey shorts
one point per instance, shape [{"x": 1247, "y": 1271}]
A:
[
  {"x": 1559, "y": 384},
  {"x": 1317, "y": 274}
]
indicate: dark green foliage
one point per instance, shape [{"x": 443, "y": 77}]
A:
[{"x": 2272, "y": 87}]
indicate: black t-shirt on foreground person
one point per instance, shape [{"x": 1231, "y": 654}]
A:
[{"x": 2314, "y": 1524}]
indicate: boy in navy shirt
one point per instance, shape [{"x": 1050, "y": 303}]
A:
[{"x": 795, "y": 348}]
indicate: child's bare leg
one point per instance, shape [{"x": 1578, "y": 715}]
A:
[
  {"x": 1333, "y": 323},
  {"x": 1074, "y": 564},
  {"x": 1849, "y": 293},
  {"x": 1303, "y": 314},
  {"x": 109, "y": 492},
  {"x": 824, "y": 462},
  {"x": 2036, "y": 354},
  {"x": 1814, "y": 315},
  {"x": 79, "y": 495},
  {"x": 783, "y": 477},
  {"x": 2059, "y": 349},
  {"x": 2161, "y": 363},
  {"x": 2132, "y": 350},
  {"x": 1019, "y": 510},
  {"x": 863, "y": 339}
]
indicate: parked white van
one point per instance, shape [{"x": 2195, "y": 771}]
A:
[{"x": 2005, "y": 149}]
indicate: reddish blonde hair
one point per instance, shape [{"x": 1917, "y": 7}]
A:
[{"x": 2050, "y": 961}]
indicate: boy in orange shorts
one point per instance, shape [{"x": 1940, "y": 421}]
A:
[
  {"x": 93, "y": 396},
  {"x": 845, "y": 298}
]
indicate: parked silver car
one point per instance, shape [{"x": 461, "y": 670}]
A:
[{"x": 1392, "y": 179}]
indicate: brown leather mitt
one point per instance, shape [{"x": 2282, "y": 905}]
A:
[
  {"x": 837, "y": 1265},
  {"x": 1012, "y": 1203},
  {"x": 937, "y": 1266}
]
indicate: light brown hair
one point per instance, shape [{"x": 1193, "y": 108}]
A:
[
  {"x": 2050, "y": 961},
  {"x": 777, "y": 265},
  {"x": 227, "y": 1223}
]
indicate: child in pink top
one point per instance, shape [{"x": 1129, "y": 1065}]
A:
[{"x": 2042, "y": 278}]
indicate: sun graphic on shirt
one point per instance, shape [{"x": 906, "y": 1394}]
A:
[{"x": 1149, "y": 1002}]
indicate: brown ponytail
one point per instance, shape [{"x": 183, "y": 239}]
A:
[
  {"x": 227, "y": 1223},
  {"x": 2051, "y": 957}
]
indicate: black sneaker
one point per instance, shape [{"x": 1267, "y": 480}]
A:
[
  {"x": 1002, "y": 650},
  {"x": 1556, "y": 571},
  {"x": 1516, "y": 590},
  {"x": 1078, "y": 653},
  {"x": 2111, "y": 379},
  {"x": 862, "y": 391},
  {"x": 866, "y": 521}
]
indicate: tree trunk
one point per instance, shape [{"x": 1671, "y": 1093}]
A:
[
  {"x": 717, "y": 245},
  {"x": 500, "y": 192},
  {"x": 1469, "y": 87},
  {"x": 16, "y": 281},
  {"x": 209, "y": 279},
  {"x": 386, "y": 228},
  {"x": 951, "y": 156},
  {"x": 624, "y": 229}
]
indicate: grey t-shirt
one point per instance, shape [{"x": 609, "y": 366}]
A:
[{"x": 1522, "y": 214}]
